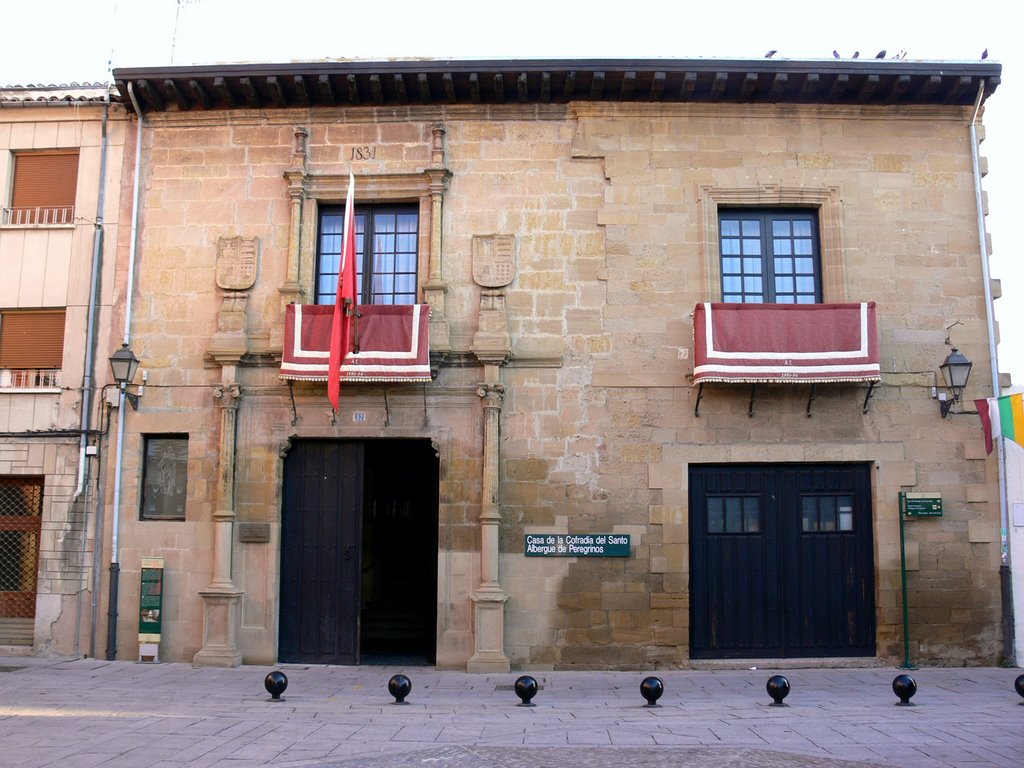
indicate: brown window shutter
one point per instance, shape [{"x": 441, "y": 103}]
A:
[
  {"x": 32, "y": 338},
  {"x": 46, "y": 180}
]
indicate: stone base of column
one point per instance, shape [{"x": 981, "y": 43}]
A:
[
  {"x": 220, "y": 628},
  {"x": 489, "y": 626}
]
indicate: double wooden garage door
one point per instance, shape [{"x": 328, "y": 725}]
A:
[{"x": 781, "y": 561}]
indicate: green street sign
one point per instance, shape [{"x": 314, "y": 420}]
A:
[
  {"x": 576, "y": 545},
  {"x": 921, "y": 504}
]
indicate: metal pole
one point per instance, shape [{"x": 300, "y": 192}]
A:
[{"x": 907, "y": 663}]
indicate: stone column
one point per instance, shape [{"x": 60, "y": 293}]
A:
[
  {"x": 492, "y": 347},
  {"x": 222, "y": 599},
  {"x": 489, "y": 598},
  {"x": 291, "y": 290},
  {"x": 435, "y": 288}
]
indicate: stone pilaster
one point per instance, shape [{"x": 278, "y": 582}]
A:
[
  {"x": 222, "y": 599},
  {"x": 489, "y": 598}
]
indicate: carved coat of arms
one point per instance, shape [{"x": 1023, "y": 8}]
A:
[
  {"x": 494, "y": 260},
  {"x": 236, "y": 262}
]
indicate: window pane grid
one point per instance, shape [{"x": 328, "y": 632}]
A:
[
  {"x": 827, "y": 514},
  {"x": 769, "y": 257},
  {"x": 733, "y": 514},
  {"x": 387, "y": 238}
]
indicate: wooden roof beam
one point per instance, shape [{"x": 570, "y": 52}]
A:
[
  {"x": 657, "y": 86},
  {"x": 174, "y": 94},
  {"x": 400, "y": 93},
  {"x": 545, "y": 87},
  {"x": 749, "y": 87},
  {"x": 597, "y": 86},
  {"x": 810, "y": 86},
  {"x": 376, "y": 91},
  {"x": 301, "y": 92},
  {"x": 931, "y": 86},
  {"x": 628, "y": 86},
  {"x": 569, "y": 88},
  {"x": 323, "y": 82},
  {"x": 276, "y": 91},
  {"x": 689, "y": 86},
  {"x": 353, "y": 89},
  {"x": 839, "y": 87},
  {"x": 779, "y": 85},
  {"x": 150, "y": 94},
  {"x": 474, "y": 87},
  {"x": 249, "y": 92},
  {"x": 719, "y": 84},
  {"x": 899, "y": 88},
  {"x": 522, "y": 88},
  {"x": 960, "y": 86},
  {"x": 423, "y": 85},
  {"x": 499, "y": 87},
  {"x": 223, "y": 90},
  {"x": 199, "y": 94},
  {"x": 449, "y": 87},
  {"x": 868, "y": 88}
]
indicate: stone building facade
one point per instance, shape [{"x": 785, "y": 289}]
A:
[
  {"x": 61, "y": 153},
  {"x": 567, "y": 223}
]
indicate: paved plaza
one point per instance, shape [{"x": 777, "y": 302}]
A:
[{"x": 89, "y": 712}]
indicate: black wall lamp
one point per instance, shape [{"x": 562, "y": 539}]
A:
[
  {"x": 124, "y": 364},
  {"x": 956, "y": 369}
]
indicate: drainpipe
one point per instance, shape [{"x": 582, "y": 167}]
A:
[
  {"x": 1005, "y": 584},
  {"x": 115, "y": 565},
  {"x": 90, "y": 351}
]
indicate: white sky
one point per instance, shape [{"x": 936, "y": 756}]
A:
[{"x": 82, "y": 36}]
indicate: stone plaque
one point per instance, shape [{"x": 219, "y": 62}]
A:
[
  {"x": 236, "y": 262},
  {"x": 494, "y": 260},
  {"x": 254, "y": 533}
]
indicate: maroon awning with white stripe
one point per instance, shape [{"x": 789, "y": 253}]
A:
[
  {"x": 390, "y": 343},
  {"x": 780, "y": 343}
]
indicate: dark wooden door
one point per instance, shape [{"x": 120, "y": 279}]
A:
[
  {"x": 781, "y": 561},
  {"x": 321, "y": 516}
]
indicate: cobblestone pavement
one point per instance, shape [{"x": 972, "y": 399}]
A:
[{"x": 88, "y": 712}]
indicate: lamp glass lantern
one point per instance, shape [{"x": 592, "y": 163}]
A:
[
  {"x": 956, "y": 370},
  {"x": 123, "y": 365}
]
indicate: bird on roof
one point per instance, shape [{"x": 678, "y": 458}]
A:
[
  {"x": 835, "y": 55},
  {"x": 770, "y": 54},
  {"x": 880, "y": 54},
  {"x": 856, "y": 54},
  {"x": 984, "y": 54}
]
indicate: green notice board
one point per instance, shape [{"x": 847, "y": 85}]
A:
[
  {"x": 577, "y": 545},
  {"x": 151, "y": 599},
  {"x": 921, "y": 504}
]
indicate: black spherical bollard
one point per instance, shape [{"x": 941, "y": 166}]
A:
[
  {"x": 1018, "y": 685},
  {"x": 526, "y": 688},
  {"x": 399, "y": 687},
  {"x": 778, "y": 688},
  {"x": 905, "y": 687},
  {"x": 651, "y": 689},
  {"x": 275, "y": 683}
]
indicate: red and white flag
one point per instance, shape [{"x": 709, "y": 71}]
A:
[{"x": 345, "y": 299}]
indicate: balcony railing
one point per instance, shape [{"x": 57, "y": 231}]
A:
[
  {"x": 30, "y": 378},
  {"x": 40, "y": 216}
]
